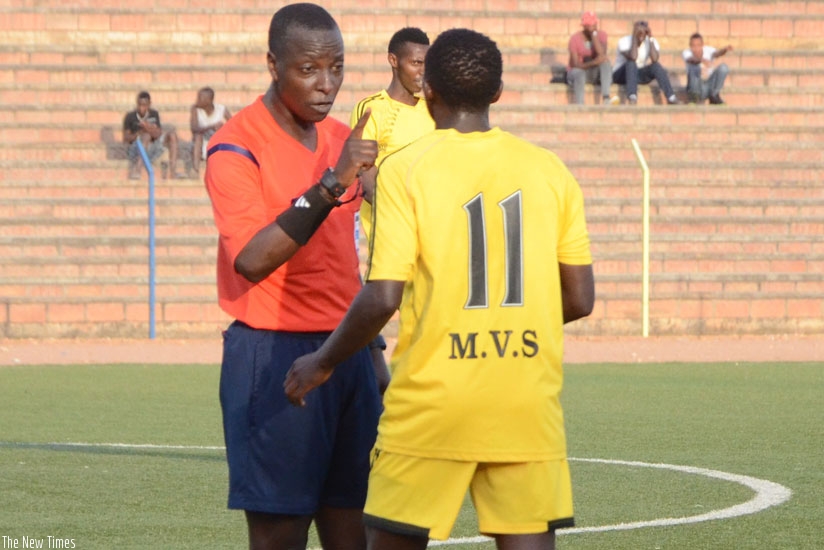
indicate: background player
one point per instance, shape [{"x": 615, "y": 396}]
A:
[
  {"x": 480, "y": 237},
  {"x": 399, "y": 114}
]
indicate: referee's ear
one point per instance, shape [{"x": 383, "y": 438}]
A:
[{"x": 271, "y": 65}]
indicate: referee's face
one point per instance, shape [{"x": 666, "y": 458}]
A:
[{"x": 309, "y": 73}]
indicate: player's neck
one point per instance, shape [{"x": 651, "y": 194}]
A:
[
  {"x": 464, "y": 122},
  {"x": 400, "y": 94}
]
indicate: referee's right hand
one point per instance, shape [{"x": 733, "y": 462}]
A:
[{"x": 358, "y": 154}]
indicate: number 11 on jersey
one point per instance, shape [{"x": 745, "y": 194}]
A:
[{"x": 478, "y": 295}]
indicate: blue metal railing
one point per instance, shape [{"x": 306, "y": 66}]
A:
[{"x": 152, "y": 263}]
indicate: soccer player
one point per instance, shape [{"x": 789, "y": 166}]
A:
[
  {"x": 287, "y": 270},
  {"x": 399, "y": 114},
  {"x": 480, "y": 238}
]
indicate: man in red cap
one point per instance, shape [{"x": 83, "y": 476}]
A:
[{"x": 588, "y": 61}]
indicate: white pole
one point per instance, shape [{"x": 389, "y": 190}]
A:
[{"x": 645, "y": 247}]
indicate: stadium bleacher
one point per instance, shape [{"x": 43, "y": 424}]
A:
[{"x": 737, "y": 200}]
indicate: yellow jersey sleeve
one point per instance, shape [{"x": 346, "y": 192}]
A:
[{"x": 573, "y": 241}]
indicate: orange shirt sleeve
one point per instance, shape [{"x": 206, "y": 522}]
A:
[{"x": 234, "y": 184}]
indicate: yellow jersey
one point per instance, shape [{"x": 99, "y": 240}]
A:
[
  {"x": 392, "y": 124},
  {"x": 475, "y": 225}
]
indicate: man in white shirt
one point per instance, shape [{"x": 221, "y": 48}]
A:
[
  {"x": 704, "y": 78},
  {"x": 206, "y": 118},
  {"x": 631, "y": 67}
]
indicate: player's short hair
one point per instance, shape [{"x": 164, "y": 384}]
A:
[
  {"x": 464, "y": 68},
  {"x": 144, "y": 95},
  {"x": 697, "y": 35},
  {"x": 407, "y": 35},
  {"x": 305, "y": 16}
]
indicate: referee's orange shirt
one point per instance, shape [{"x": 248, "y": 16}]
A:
[{"x": 253, "y": 173}]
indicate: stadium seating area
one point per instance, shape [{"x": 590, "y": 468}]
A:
[{"x": 737, "y": 202}]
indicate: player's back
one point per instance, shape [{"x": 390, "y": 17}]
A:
[{"x": 481, "y": 321}]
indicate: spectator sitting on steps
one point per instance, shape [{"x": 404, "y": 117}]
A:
[
  {"x": 588, "y": 61},
  {"x": 704, "y": 78},
  {"x": 631, "y": 67},
  {"x": 206, "y": 118},
  {"x": 144, "y": 123}
]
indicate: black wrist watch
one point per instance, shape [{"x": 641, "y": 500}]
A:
[{"x": 330, "y": 182}]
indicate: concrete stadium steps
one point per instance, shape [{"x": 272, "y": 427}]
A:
[
  {"x": 737, "y": 203},
  {"x": 664, "y": 208},
  {"x": 103, "y": 227},
  {"x": 102, "y": 317},
  {"x": 116, "y": 188},
  {"x": 752, "y": 24},
  {"x": 102, "y": 208},
  {"x": 657, "y": 145},
  {"x": 181, "y": 64},
  {"x": 101, "y": 249},
  {"x": 801, "y": 70},
  {"x": 604, "y": 172},
  {"x": 751, "y": 7},
  {"x": 92, "y": 102}
]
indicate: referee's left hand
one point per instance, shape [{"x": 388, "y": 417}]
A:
[{"x": 304, "y": 375}]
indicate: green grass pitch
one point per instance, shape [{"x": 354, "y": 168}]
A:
[{"x": 765, "y": 421}]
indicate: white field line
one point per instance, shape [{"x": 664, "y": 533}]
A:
[
  {"x": 69, "y": 445},
  {"x": 767, "y": 493}
]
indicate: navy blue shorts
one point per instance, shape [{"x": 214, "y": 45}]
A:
[{"x": 291, "y": 460}]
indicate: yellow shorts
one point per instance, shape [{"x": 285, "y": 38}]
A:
[{"x": 422, "y": 496}]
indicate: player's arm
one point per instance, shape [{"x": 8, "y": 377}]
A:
[
  {"x": 577, "y": 291},
  {"x": 382, "y": 376},
  {"x": 370, "y": 311}
]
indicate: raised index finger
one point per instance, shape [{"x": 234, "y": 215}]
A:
[{"x": 357, "y": 131}]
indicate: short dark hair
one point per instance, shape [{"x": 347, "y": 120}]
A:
[
  {"x": 305, "y": 16},
  {"x": 207, "y": 90},
  {"x": 464, "y": 68},
  {"x": 411, "y": 35},
  {"x": 695, "y": 35},
  {"x": 143, "y": 95}
]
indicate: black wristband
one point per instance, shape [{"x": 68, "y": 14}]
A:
[
  {"x": 302, "y": 219},
  {"x": 377, "y": 343}
]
